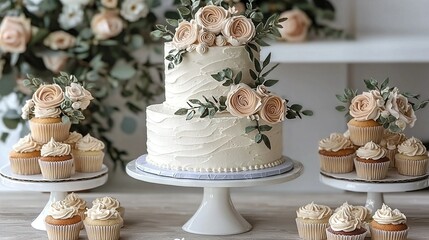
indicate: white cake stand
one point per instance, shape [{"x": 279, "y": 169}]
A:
[
  {"x": 216, "y": 214},
  {"x": 57, "y": 188},
  {"x": 375, "y": 190}
]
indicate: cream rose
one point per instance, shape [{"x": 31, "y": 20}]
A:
[
  {"x": 78, "y": 95},
  {"x": 366, "y": 106},
  {"x": 202, "y": 48},
  {"x": 59, "y": 40},
  {"x": 55, "y": 61},
  {"x": 211, "y": 18},
  {"x": 48, "y": 96},
  {"x": 133, "y": 10},
  {"x": 401, "y": 109},
  {"x": 242, "y": 101},
  {"x": 273, "y": 109},
  {"x": 262, "y": 91},
  {"x": 106, "y": 25},
  {"x": 15, "y": 32},
  {"x": 109, "y": 3},
  {"x": 221, "y": 41},
  {"x": 27, "y": 109},
  {"x": 296, "y": 26},
  {"x": 238, "y": 30},
  {"x": 186, "y": 34},
  {"x": 207, "y": 38}
]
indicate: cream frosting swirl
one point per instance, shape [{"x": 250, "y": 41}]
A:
[
  {"x": 46, "y": 112},
  {"x": 335, "y": 142},
  {"x": 73, "y": 200},
  {"x": 59, "y": 210},
  {"x": 54, "y": 149},
  {"x": 360, "y": 212},
  {"x": 100, "y": 212},
  {"x": 372, "y": 151},
  {"x": 412, "y": 147},
  {"x": 25, "y": 145},
  {"x": 108, "y": 202},
  {"x": 89, "y": 143},
  {"x": 386, "y": 215},
  {"x": 73, "y": 137},
  {"x": 344, "y": 220},
  {"x": 314, "y": 211}
]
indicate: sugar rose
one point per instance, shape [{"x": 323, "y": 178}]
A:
[
  {"x": 186, "y": 34},
  {"x": 48, "y": 96},
  {"x": 78, "y": 95},
  {"x": 238, "y": 30},
  {"x": 15, "y": 32},
  {"x": 242, "y": 101},
  {"x": 296, "y": 26},
  {"x": 406, "y": 111},
  {"x": 366, "y": 106},
  {"x": 211, "y": 18},
  {"x": 207, "y": 38},
  {"x": 273, "y": 109},
  {"x": 59, "y": 40},
  {"x": 262, "y": 91},
  {"x": 106, "y": 25}
]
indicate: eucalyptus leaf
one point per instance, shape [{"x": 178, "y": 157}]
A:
[
  {"x": 266, "y": 141},
  {"x": 258, "y": 138},
  {"x": 307, "y": 113},
  {"x": 181, "y": 111},
  {"x": 250, "y": 129},
  {"x": 264, "y": 128},
  {"x": 11, "y": 123},
  {"x": 270, "y": 82},
  {"x": 340, "y": 108}
]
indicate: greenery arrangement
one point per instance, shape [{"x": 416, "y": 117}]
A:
[{"x": 102, "y": 42}]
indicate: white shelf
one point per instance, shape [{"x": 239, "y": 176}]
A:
[{"x": 367, "y": 49}]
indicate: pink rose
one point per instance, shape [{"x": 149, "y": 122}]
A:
[
  {"x": 207, "y": 38},
  {"x": 15, "y": 33},
  {"x": 78, "y": 95},
  {"x": 273, "y": 109},
  {"x": 242, "y": 101},
  {"x": 406, "y": 111},
  {"x": 211, "y": 18},
  {"x": 48, "y": 96},
  {"x": 59, "y": 40},
  {"x": 186, "y": 34},
  {"x": 238, "y": 30},
  {"x": 296, "y": 26},
  {"x": 106, "y": 25},
  {"x": 366, "y": 106}
]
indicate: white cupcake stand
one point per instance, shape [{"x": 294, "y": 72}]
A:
[
  {"x": 375, "y": 189},
  {"x": 58, "y": 188},
  {"x": 216, "y": 214}
]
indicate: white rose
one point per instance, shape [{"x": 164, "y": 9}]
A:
[
  {"x": 59, "y": 40},
  {"x": 401, "y": 124},
  {"x": 221, "y": 41},
  {"x": 133, "y": 10},
  {"x": 79, "y": 95},
  {"x": 202, "y": 48},
  {"x": 75, "y": 2},
  {"x": 238, "y": 30},
  {"x": 211, "y": 18},
  {"x": 33, "y": 7},
  {"x": 71, "y": 16}
]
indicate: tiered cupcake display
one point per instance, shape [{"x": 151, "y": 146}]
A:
[
  {"x": 50, "y": 148},
  {"x": 374, "y": 141}
]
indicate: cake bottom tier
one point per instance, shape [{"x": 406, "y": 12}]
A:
[{"x": 219, "y": 144}]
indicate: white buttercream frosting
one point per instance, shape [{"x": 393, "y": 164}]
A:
[
  {"x": 335, "y": 143},
  {"x": 73, "y": 137},
  {"x": 47, "y": 112},
  {"x": 344, "y": 220},
  {"x": 25, "y": 145},
  {"x": 314, "y": 211},
  {"x": 55, "y": 149},
  {"x": 89, "y": 143},
  {"x": 372, "y": 151},
  {"x": 60, "y": 210},
  {"x": 100, "y": 212},
  {"x": 412, "y": 147},
  {"x": 108, "y": 202},
  {"x": 73, "y": 200},
  {"x": 360, "y": 212},
  {"x": 386, "y": 215}
]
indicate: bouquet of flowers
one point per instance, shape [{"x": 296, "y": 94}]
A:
[{"x": 101, "y": 42}]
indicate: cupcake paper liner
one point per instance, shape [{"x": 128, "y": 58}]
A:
[
  {"x": 372, "y": 171},
  {"x": 332, "y": 236},
  {"x": 377, "y": 234},
  {"x": 63, "y": 232},
  {"x": 42, "y": 132},
  {"x": 342, "y": 164},
  {"x": 361, "y": 135},
  {"x": 391, "y": 155},
  {"x": 25, "y": 166},
  {"x": 411, "y": 167},
  {"x": 311, "y": 231},
  {"x": 92, "y": 163},
  {"x": 56, "y": 170},
  {"x": 103, "y": 232}
]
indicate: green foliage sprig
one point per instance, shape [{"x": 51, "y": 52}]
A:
[
  {"x": 207, "y": 108},
  {"x": 259, "y": 76},
  {"x": 226, "y": 76},
  {"x": 175, "y": 57},
  {"x": 260, "y": 137}
]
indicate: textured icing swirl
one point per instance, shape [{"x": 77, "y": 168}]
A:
[
  {"x": 314, "y": 211},
  {"x": 73, "y": 137},
  {"x": 412, "y": 147},
  {"x": 386, "y": 215},
  {"x": 372, "y": 151},
  {"x": 344, "y": 220},
  {"x": 25, "y": 145},
  {"x": 335, "y": 142},
  {"x": 100, "y": 212},
  {"x": 360, "y": 212},
  {"x": 108, "y": 202},
  {"x": 73, "y": 200},
  {"x": 59, "y": 210},
  {"x": 89, "y": 143},
  {"x": 55, "y": 149},
  {"x": 47, "y": 112}
]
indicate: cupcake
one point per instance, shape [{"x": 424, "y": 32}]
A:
[
  {"x": 390, "y": 142},
  {"x": 362, "y": 132},
  {"x": 102, "y": 223},
  {"x": 389, "y": 224},
  {"x": 24, "y": 157},
  {"x": 42, "y": 129},
  {"x": 73, "y": 200},
  {"x": 345, "y": 226},
  {"x": 56, "y": 161},
  {"x": 336, "y": 154},
  {"x": 72, "y": 139},
  {"x": 412, "y": 158},
  {"x": 312, "y": 221},
  {"x": 110, "y": 203},
  {"x": 63, "y": 222},
  {"x": 360, "y": 212},
  {"x": 371, "y": 162},
  {"x": 88, "y": 154}
]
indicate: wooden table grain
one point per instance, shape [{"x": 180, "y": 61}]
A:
[{"x": 160, "y": 214}]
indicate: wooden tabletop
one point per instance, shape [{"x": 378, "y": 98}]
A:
[{"x": 160, "y": 214}]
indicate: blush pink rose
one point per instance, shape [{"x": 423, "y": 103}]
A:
[
  {"x": 48, "y": 96},
  {"x": 296, "y": 26},
  {"x": 242, "y": 101},
  {"x": 366, "y": 106},
  {"x": 186, "y": 34},
  {"x": 211, "y": 18},
  {"x": 15, "y": 33},
  {"x": 59, "y": 40},
  {"x": 273, "y": 109},
  {"x": 238, "y": 30},
  {"x": 106, "y": 25}
]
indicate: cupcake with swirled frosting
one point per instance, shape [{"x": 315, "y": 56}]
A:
[
  {"x": 389, "y": 224},
  {"x": 24, "y": 157},
  {"x": 63, "y": 222},
  {"x": 110, "y": 203},
  {"x": 73, "y": 138},
  {"x": 361, "y": 212},
  {"x": 56, "y": 161},
  {"x": 412, "y": 158},
  {"x": 371, "y": 162},
  {"x": 390, "y": 142},
  {"x": 74, "y": 200},
  {"x": 336, "y": 154},
  {"x": 312, "y": 221},
  {"x": 344, "y": 225},
  {"x": 102, "y": 223},
  {"x": 88, "y": 154}
]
